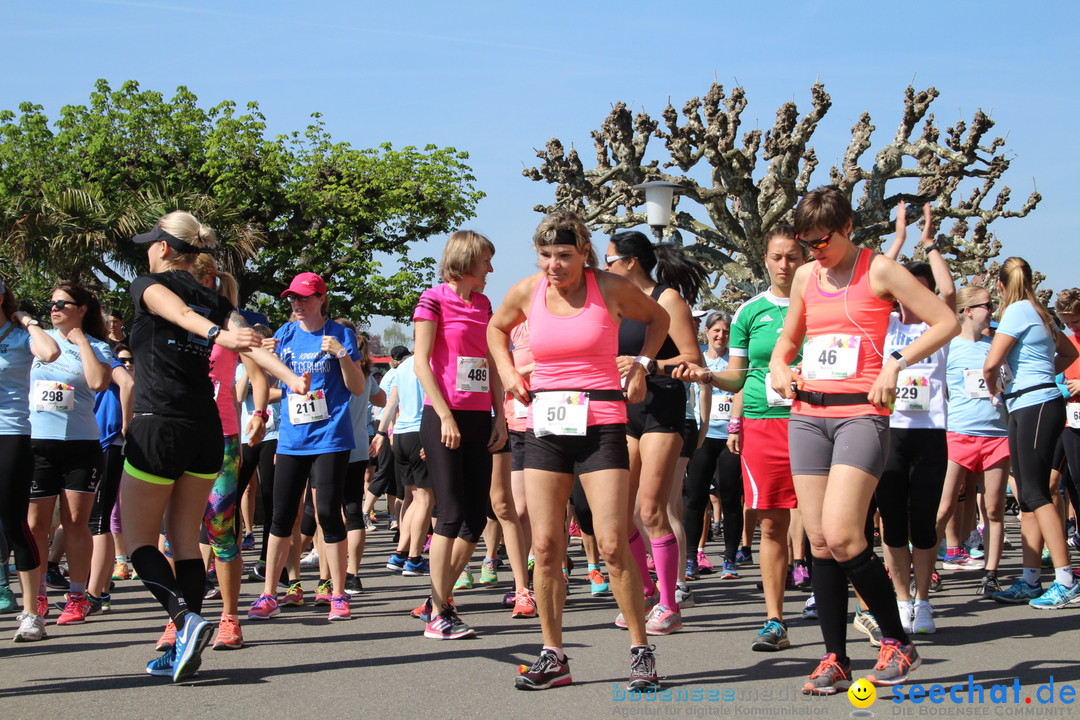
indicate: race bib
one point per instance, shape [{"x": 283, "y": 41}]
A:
[
  {"x": 975, "y": 384},
  {"x": 721, "y": 407},
  {"x": 1006, "y": 375},
  {"x": 560, "y": 412},
  {"x": 52, "y": 396},
  {"x": 774, "y": 398},
  {"x": 831, "y": 357},
  {"x": 521, "y": 410},
  {"x": 304, "y": 409},
  {"x": 1072, "y": 414},
  {"x": 912, "y": 391},
  {"x": 472, "y": 374}
]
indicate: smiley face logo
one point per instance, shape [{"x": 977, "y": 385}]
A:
[{"x": 862, "y": 694}]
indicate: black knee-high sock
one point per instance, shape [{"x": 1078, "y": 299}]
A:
[
  {"x": 157, "y": 575},
  {"x": 867, "y": 574},
  {"x": 191, "y": 577},
  {"x": 831, "y": 594}
]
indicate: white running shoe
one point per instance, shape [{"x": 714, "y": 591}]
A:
[{"x": 923, "y": 620}]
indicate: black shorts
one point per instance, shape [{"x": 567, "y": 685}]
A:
[
  {"x": 160, "y": 449},
  {"x": 603, "y": 447},
  {"x": 689, "y": 438},
  {"x": 408, "y": 467},
  {"x": 73, "y": 465},
  {"x": 662, "y": 411},
  {"x": 517, "y": 450}
]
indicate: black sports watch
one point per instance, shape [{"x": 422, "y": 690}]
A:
[{"x": 212, "y": 333}]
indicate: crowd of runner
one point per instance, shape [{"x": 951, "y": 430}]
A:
[{"x": 854, "y": 403}]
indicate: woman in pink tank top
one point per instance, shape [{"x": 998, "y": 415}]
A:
[
  {"x": 576, "y": 425},
  {"x": 838, "y": 432}
]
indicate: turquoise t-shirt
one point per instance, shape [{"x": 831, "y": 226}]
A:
[
  {"x": 15, "y": 361},
  {"x": 62, "y": 384},
  {"x": 1031, "y": 358},
  {"x": 970, "y": 409}
]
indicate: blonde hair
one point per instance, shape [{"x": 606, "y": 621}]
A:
[
  {"x": 463, "y": 250},
  {"x": 182, "y": 225},
  {"x": 967, "y": 296},
  {"x": 1068, "y": 302},
  {"x": 205, "y": 266},
  {"x": 553, "y": 230},
  {"x": 1016, "y": 278}
]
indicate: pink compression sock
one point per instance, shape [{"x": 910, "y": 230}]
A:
[
  {"x": 665, "y": 552},
  {"x": 637, "y": 549}
]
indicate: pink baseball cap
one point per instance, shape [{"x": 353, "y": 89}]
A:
[{"x": 306, "y": 284}]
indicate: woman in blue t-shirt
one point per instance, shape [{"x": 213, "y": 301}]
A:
[{"x": 1036, "y": 351}]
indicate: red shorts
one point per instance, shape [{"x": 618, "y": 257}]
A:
[
  {"x": 766, "y": 467},
  {"x": 976, "y": 453}
]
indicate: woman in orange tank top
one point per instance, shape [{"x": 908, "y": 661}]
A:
[{"x": 838, "y": 432}]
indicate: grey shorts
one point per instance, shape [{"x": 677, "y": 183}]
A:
[{"x": 816, "y": 444}]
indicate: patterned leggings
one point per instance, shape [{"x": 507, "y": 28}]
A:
[{"x": 219, "y": 520}]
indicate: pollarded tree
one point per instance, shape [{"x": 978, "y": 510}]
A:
[{"x": 729, "y": 204}]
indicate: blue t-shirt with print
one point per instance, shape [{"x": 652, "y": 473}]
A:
[
  {"x": 720, "y": 412},
  {"x": 66, "y": 371},
  {"x": 302, "y": 352},
  {"x": 1031, "y": 358},
  {"x": 15, "y": 361}
]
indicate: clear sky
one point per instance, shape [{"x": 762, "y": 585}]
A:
[{"x": 498, "y": 79}]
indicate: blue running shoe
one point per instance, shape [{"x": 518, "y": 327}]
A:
[
  {"x": 191, "y": 640},
  {"x": 396, "y": 563},
  {"x": 1019, "y": 592},
  {"x": 1056, "y": 597},
  {"x": 744, "y": 556},
  {"x": 415, "y": 569},
  {"x": 163, "y": 666}
]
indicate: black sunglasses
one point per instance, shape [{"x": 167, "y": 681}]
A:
[
  {"x": 60, "y": 304},
  {"x": 988, "y": 305},
  {"x": 126, "y": 360},
  {"x": 293, "y": 297},
  {"x": 818, "y": 244}
]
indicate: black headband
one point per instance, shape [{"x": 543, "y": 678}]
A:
[
  {"x": 565, "y": 237},
  {"x": 157, "y": 234}
]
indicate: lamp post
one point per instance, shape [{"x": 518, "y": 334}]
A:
[{"x": 658, "y": 201}]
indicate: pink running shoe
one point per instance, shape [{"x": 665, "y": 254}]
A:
[
  {"x": 662, "y": 620},
  {"x": 704, "y": 565},
  {"x": 75, "y": 611},
  {"x": 339, "y": 608},
  {"x": 264, "y": 608}
]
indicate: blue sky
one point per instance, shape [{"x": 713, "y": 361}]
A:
[{"x": 498, "y": 79}]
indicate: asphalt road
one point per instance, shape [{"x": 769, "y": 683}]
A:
[{"x": 379, "y": 665}]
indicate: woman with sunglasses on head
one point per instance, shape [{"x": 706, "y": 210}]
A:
[
  {"x": 22, "y": 343},
  {"x": 838, "y": 432},
  {"x": 576, "y": 426},
  {"x": 67, "y": 455},
  {"x": 654, "y": 426},
  {"x": 175, "y": 442},
  {"x": 315, "y": 438},
  {"x": 1028, "y": 340},
  {"x": 977, "y": 435}
]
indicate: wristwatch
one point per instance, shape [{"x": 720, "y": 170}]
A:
[
  {"x": 895, "y": 355},
  {"x": 264, "y": 414},
  {"x": 931, "y": 248},
  {"x": 648, "y": 363},
  {"x": 212, "y": 333},
  {"x": 341, "y": 353},
  {"x": 31, "y": 321}
]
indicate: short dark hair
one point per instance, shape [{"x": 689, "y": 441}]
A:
[
  {"x": 399, "y": 353},
  {"x": 826, "y": 208}
]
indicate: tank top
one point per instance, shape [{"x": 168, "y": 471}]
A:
[
  {"x": 577, "y": 351},
  {"x": 845, "y": 331},
  {"x": 516, "y": 413},
  {"x": 632, "y": 339}
]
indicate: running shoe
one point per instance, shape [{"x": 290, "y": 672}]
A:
[
  {"x": 396, "y": 562},
  {"x": 988, "y": 586},
  {"x": 922, "y": 621},
  {"x": 829, "y": 678},
  {"x": 353, "y": 585},
  {"x": 294, "y": 597},
  {"x": 465, "y": 580},
  {"x": 643, "y": 676},
  {"x": 974, "y": 545},
  {"x": 248, "y": 543},
  {"x": 229, "y": 636},
  {"x": 907, "y": 614},
  {"x": 662, "y": 620},
  {"x": 424, "y": 612},
  {"x": 509, "y": 599},
  {"x": 691, "y": 570},
  {"x": 867, "y": 624},
  {"x": 935, "y": 581},
  {"x": 704, "y": 564},
  {"x": 75, "y": 611},
  {"x": 212, "y": 592},
  {"x": 368, "y": 524},
  {"x": 121, "y": 571},
  {"x": 729, "y": 570},
  {"x": 598, "y": 584},
  {"x": 167, "y": 639},
  {"x": 1047, "y": 562},
  {"x": 524, "y": 604},
  {"x": 801, "y": 576},
  {"x": 650, "y": 564},
  {"x": 31, "y": 628},
  {"x": 447, "y": 626},
  {"x": 547, "y": 672},
  {"x": 427, "y": 544},
  {"x": 772, "y": 637},
  {"x": 394, "y": 524},
  {"x": 54, "y": 578},
  {"x": 942, "y": 550},
  {"x": 488, "y": 574},
  {"x": 809, "y": 611},
  {"x": 163, "y": 666},
  {"x": 310, "y": 560},
  {"x": 8, "y": 603},
  {"x": 684, "y": 597},
  {"x": 257, "y": 573},
  {"x": 323, "y": 592},
  {"x": 97, "y": 605},
  {"x": 717, "y": 531},
  {"x": 264, "y": 608},
  {"x": 1056, "y": 597},
  {"x": 575, "y": 530},
  {"x": 339, "y": 608},
  {"x": 960, "y": 560},
  {"x": 191, "y": 640},
  {"x": 744, "y": 556},
  {"x": 1019, "y": 592},
  {"x": 650, "y": 602},
  {"x": 895, "y": 663},
  {"x": 419, "y": 568}
]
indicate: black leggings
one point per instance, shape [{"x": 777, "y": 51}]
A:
[
  {"x": 108, "y": 489},
  {"x": 1070, "y": 470},
  {"x": 909, "y": 491},
  {"x": 460, "y": 478},
  {"x": 327, "y": 473},
  {"x": 714, "y": 460},
  {"x": 354, "y": 495},
  {"x": 16, "y": 474},
  {"x": 1033, "y": 435},
  {"x": 260, "y": 457}
]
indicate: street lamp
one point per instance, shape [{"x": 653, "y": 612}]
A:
[{"x": 658, "y": 200}]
